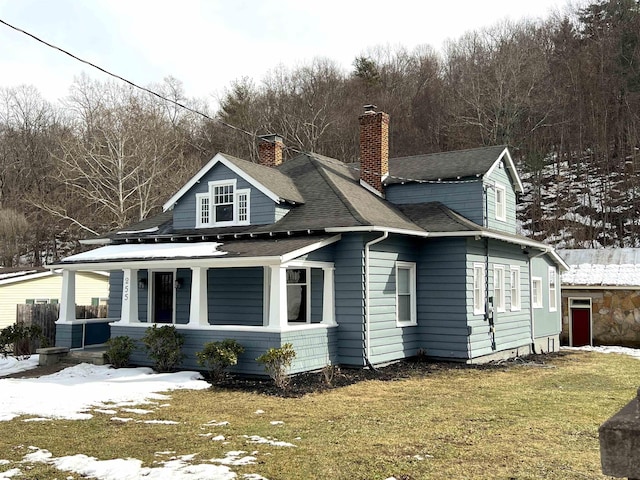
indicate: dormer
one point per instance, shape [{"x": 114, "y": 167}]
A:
[
  {"x": 230, "y": 192},
  {"x": 481, "y": 184}
]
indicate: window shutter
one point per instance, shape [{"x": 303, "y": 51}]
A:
[
  {"x": 30, "y": 301},
  {"x": 95, "y": 301}
]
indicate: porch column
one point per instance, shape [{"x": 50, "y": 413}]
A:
[
  {"x": 277, "y": 297},
  {"x": 198, "y": 310},
  {"x": 129, "y": 296},
  {"x": 68, "y": 301},
  {"x": 328, "y": 295}
]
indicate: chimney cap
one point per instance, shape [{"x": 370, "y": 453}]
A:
[
  {"x": 271, "y": 138},
  {"x": 370, "y": 108}
]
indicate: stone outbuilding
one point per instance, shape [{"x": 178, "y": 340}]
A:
[{"x": 601, "y": 297}]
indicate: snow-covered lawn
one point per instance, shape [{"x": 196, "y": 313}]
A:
[{"x": 77, "y": 392}]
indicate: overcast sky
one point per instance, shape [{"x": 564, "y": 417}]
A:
[{"x": 208, "y": 43}]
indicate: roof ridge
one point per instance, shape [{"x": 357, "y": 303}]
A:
[
  {"x": 503, "y": 146},
  {"x": 315, "y": 160}
]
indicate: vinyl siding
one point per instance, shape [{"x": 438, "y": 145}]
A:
[
  {"x": 236, "y": 296},
  {"x": 546, "y": 323},
  {"x": 314, "y": 348},
  {"x": 501, "y": 176},
  {"x": 262, "y": 208},
  {"x": 442, "y": 315},
  {"x": 349, "y": 299},
  {"x": 388, "y": 340},
  {"x": 464, "y": 198},
  {"x": 88, "y": 285},
  {"x": 512, "y": 328}
]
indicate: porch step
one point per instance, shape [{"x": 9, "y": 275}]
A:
[{"x": 95, "y": 357}]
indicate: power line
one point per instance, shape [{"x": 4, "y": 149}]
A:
[{"x": 217, "y": 120}]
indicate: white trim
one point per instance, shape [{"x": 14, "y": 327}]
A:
[
  {"x": 500, "y": 208},
  {"x": 583, "y": 307},
  {"x": 238, "y": 328},
  {"x": 307, "y": 300},
  {"x": 218, "y": 158},
  {"x": 287, "y": 257},
  {"x": 540, "y": 302},
  {"x": 478, "y": 301},
  {"x": 413, "y": 318},
  {"x": 27, "y": 276},
  {"x": 552, "y": 272},
  {"x": 511, "y": 166},
  {"x": 372, "y": 189},
  {"x": 199, "y": 197},
  {"x": 499, "y": 301},
  {"x": 151, "y": 296},
  {"x": 246, "y": 192},
  {"x": 213, "y": 221},
  {"x": 513, "y": 269},
  {"x": 523, "y": 241}
]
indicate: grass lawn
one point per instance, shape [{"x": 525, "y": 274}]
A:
[{"x": 510, "y": 422}]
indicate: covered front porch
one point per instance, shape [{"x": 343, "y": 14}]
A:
[{"x": 260, "y": 301}]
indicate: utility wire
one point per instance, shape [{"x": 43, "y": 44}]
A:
[{"x": 217, "y": 120}]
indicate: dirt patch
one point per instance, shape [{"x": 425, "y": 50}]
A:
[{"x": 315, "y": 382}]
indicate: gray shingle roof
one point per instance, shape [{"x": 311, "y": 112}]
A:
[
  {"x": 271, "y": 178},
  {"x": 436, "y": 217},
  {"x": 474, "y": 162}
]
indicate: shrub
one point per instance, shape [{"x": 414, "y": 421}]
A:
[
  {"x": 164, "y": 346},
  {"x": 216, "y": 357},
  {"x": 276, "y": 363},
  {"x": 17, "y": 339},
  {"x": 119, "y": 351}
]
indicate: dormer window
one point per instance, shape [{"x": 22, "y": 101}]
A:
[
  {"x": 222, "y": 205},
  {"x": 501, "y": 203}
]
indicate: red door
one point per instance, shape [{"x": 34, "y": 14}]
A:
[{"x": 580, "y": 327}]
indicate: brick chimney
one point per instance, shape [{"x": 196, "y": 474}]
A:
[
  {"x": 270, "y": 150},
  {"x": 374, "y": 147}
]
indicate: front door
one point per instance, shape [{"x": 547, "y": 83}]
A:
[
  {"x": 163, "y": 297},
  {"x": 580, "y": 327}
]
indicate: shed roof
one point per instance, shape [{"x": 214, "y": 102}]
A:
[{"x": 619, "y": 267}]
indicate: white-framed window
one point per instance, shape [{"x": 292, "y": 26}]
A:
[
  {"x": 515, "y": 288},
  {"x": 498, "y": 288},
  {"x": 478, "y": 289},
  {"x": 298, "y": 295},
  {"x": 501, "y": 202},
  {"x": 222, "y": 205},
  {"x": 553, "y": 289},
  {"x": 406, "y": 293},
  {"x": 536, "y": 292},
  {"x": 203, "y": 210}
]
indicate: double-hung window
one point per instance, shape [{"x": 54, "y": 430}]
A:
[
  {"x": 515, "y": 288},
  {"x": 298, "y": 295},
  {"x": 553, "y": 290},
  {"x": 501, "y": 203},
  {"x": 536, "y": 292},
  {"x": 498, "y": 288},
  {"x": 406, "y": 293},
  {"x": 222, "y": 205},
  {"x": 478, "y": 289}
]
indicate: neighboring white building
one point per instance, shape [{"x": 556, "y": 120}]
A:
[{"x": 39, "y": 285}]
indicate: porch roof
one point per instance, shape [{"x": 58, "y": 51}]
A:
[{"x": 227, "y": 253}]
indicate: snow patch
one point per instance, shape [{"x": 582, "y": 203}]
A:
[{"x": 11, "y": 365}]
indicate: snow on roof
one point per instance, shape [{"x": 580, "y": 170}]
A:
[
  {"x": 4, "y": 276},
  {"x": 618, "y": 267},
  {"x": 147, "y": 251}
]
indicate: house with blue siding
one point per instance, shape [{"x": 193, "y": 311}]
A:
[{"x": 353, "y": 264}]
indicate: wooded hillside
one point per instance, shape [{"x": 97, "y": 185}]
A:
[{"x": 563, "y": 93}]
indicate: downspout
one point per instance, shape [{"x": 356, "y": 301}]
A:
[
  {"x": 367, "y": 318},
  {"x": 488, "y": 309},
  {"x": 533, "y": 336}
]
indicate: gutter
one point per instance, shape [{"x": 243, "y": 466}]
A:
[{"x": 367, "y": 316}]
